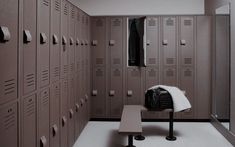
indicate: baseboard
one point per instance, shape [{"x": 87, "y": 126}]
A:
[{"x": 152, "y": 120}]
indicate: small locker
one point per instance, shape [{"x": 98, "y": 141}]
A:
[
  {"x": 55, "y": 40},
  {"x": 9, "y": 125},
  {"x": 8, "y": 50},
  {"x": 29, "y": 49},
  {"x": 43, "y": 41}
]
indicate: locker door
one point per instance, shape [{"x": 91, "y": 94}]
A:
[
  {"x": 71, "y": 119},
  {"x": 28, "y": 117},
  {"x": 29, "y": 50},
  {"x": 98, "y": 93},
  {"x": 133, "y": 86},
  {"x": 55, "y": 40},
  {"x": 63, "y": 114},
  {"x": 77, "y": 107},
  {"x": 8, "y": 52},
  {"x": 43, "y": 118},
  {"x": 186, "y": 42},
  {"x": 43, "y": 41},
  {"x": 8, "y": 125},
  {"x": 78, "y": 40},
  {"x": 55, "y": 115},
  {"x": 152, "y": 41},
  {"x": 169, "y": 76},
  {"x": 98, "y": 29},
  {"x": 64, "y": 39},
  {"x": 152, "y": 77}
]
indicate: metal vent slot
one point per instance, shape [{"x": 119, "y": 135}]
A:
[
  {"x": 9, "y": 86},
  {"x": 99, "y": 61},
  {"x": 99, "y": 23},
  {"x": 152, "y": 22},
  {"x": 30, "y": 107},
  {"x": 9, "y": 119},
  {"x": 152, "y": 61},
  {"x": 65, "y": 69},
  {"x": 117, "y": 73},
  {"x": 152, "y": 73},
  {"x": 45, "y": 75},
  {"x": 57, "y": 5},
  {"x": 72, "y": 13},
  {"x": 66, "y": 9},
  {"x": 30, "y": 80},
  {"x": 170, "y": 22},
  {"x": 72, "y": 67},
  {"x": 57, "y": 91},
  {"x": 188, "y": 73},
  {"x": 169, "y": 73},
  {"x": 56, "y": 71},
  {"x": 46, "y": 2},
  {"x": 135, "y": 73},
  {"x": 45, "y": 98},
  {"x": 116, "y": 61},
  {"x": 188, "y": 61},
  {"x": 188, "y": 22},
  {"x": 116, "y": 23},
  {"x": 99, "y": 73},
  {"x": 170, "y": 61}
]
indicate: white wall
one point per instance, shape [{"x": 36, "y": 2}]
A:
[{"x": 140, "y": 7}]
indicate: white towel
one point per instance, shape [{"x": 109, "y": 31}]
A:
[{"x": 180, "y": 101}]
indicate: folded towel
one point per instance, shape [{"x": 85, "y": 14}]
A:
[{"x": 180, "y": 101}]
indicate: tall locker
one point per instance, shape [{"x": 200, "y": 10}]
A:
[
  {"x": 71, "y": 119},
  {"x": 64, "y": 39},
  {"x": 43, "y": 42},
  {"x": 43, "y": 118},
  {"x": 29, "y": 50},
  {"x": 8, "y": 52},
  {"x": 55, "y": 115},
  {"x": 28, "y": 121},
  {"x": 55, "y": 40},
  {"x": 83, "y": 58}
]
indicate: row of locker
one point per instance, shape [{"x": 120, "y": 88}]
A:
[
  {"x": 44, "y": 95},
  {"x": 177, "y": 53}
]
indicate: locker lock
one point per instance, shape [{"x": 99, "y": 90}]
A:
[
  {"x": 129, "y": 93},
  {"x": 71, "y": 41},
  {"x": 165, "y": 42},
  {"x": 70, "y": 113},
  {"x": 54, "y": 130},
  {"x": 111, "y": 92},
  {"x": 148, "y": 42},
  {"x": 94, "y": 92},
  {"x": 43, "y": 141},
  {"x": 27, "y": 36},
  {"x": 55, "y": 39},
  {"x": 182, "y": 42},
  {"x": 77, "y": 42},
  {"x": 43, "y": 38},
  {"x": 64, "y": 40},
  {"x": 64, "y": 121},
  {"x": 111, "y": 42},
  {"x": 94, "y": 43},
  {"x": 77, "y": 107},
  {"x": 4, "y": 34}
]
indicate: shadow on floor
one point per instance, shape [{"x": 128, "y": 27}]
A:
[
  {"x": 116, "y": 139},
  {"x": 157, "y": 131}
]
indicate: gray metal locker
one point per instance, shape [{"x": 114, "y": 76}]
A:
[
  {"x": 9, "y": 125},
  {"x": 28, "y": 121},
  {"x": 170, "y": 76},
  {"x": 9, "y": 50},
  {"x": 77, "y": 108},
  {"x": 133, "y": 91},
  {"x": 43, "y": 42},
  {"x": 55, "y": 40},
  {"x": 98, "y": 41},
  {"x": 64, "y": 39},
  {"x": 186, "y": 40},
  {"x": 98, "y": 93},
  {"x": 43, "y": 120},
  {"x": 55, "y": 115},
  {"x": 151, "y": 77},
  {"x": 71, "y": 112},
  {"x": 152, "y": 41},
  {"x": 78, "y": 40},
  {"x": 64, "y": 114},
  {"x": 29, "y": 50}
]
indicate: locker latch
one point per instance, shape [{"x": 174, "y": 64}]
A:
[
  {"x": 129, "y": 93},
  {"x": 86, "y": 42},
  {"x": 43, "y": 38},
  {"x": 71, "y": 113},
  {"x": 77, "y": 107},
  {"x": 27, "y": 36},
  {"x": 165, "y": 42},
  {"x": 82, "y": 102},
  {"x": 82, "y": 42},
  {"x": 77, "y": 42},
  {"x": 86, "y": 98},
  {"x": 94, "y": 92},
  {"x": 148, "y": 42},
  {"x": 43, "y": 141},
  {"x": 54, "y": 130},
  {"x": 111, "y": 92},
  {"x": 94, "y": 43},
  {"x": 4, "y": 34},
  {"x": 64, "y": 121},
  {"x": 55, "y": 39},
  {"x": 64, "y": 40},
  {"x": 182, "y": 42},
  {"x": 71, "y": 41},
  {"x": 111, "y": 42}
]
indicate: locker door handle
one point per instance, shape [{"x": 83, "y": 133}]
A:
[
  {"x": 86, "y": 42},
  {"x": 55, "y": 39},
  {"x": 54, "y": 130},
  {"x": 82, "y": 42},
  {"x": 43, "y": 141},
  {"x": 82, "y": 102},
  {"x": 94, "y": 92},
  {"x": 77, "y": 107},
  {"x": 165, "y": 42},
  {"x": 182, "y": 42},
  {"x": 94, "y": 43},
  {"x": 86, "y": 98},
  {"x": 64, "y": 40},
  {"x": 111, "y": 42},
  {"x": 64, "y": 121},
  {"x": 148, "y": 42},
  {"x": 129, "y": 93},
  {"x": 5, "y": 34},
  {"x": 77, "y": 42},
  {"x": 27, "y": 36},
  {"x": 111, "y": 92},
  {"x": 71, "y": 113},
  {"x": 71, "y": 41},
  {"x": 43, "y": 38}
]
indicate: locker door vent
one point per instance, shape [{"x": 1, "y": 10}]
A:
[
  {"x": 66, "y": 9},
  {"x": 9, "y": 86},
  {"x": 72, "y": 13},
  {"x": 9, "y": 118},
  {"x": 170, "y": 22},
  {"x": 57, "y": 92},
  {"x": 45, "y": 98},
  {"x": 30, "y": 80},
  {"x": 72, "y": 67},
  {"x": 116, "y": 61},
  {"x": 56, "y": 72},
  {"x": 135, "y": 73},
  {"x": 152, "y": 73},
  {"x": 99, "y": 61},
  {"x": 65, "y": 86},
  {"x": 116, "y": 23},
  {"x": 152, "y": 61},
  {"x": 188, "y": 22},
  {"x": 45, "y": 75},
  {"x": 152, "y": 22},
  {"x": 30, "y": 107},
  {"x": 65, "y": 69},
  {"x": 188, "y": 61},
  {"x": 170, "y": 61},
  {"x": 46, "y": 2},
  {"x": 99, "y": 23},
  {"x": 117, "y": 73},
  {"x": 99, "y": 73},
  {"x": 188, "y": 73},
  {"x": 57, "y": 5},
  {"x": 169, "y": 73}
]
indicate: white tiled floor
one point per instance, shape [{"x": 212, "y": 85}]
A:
[{"x": 104, "y": 134}]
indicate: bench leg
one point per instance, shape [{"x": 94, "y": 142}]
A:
[
  {"x": 139, "y": 137},
  {"x": 130, "y": 141},
  {"x": 171, "y": 136}
]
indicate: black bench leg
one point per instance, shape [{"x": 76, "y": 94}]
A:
[
  {"x": 139, "y": 137},
  {"x": 171, "y": 136},
  {"x": 130, "y": 141}
]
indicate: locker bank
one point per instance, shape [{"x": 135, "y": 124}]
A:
[{"x": 106, "y": 73}]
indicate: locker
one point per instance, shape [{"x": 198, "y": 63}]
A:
[
  {"x": 55, "y": 115},
  {"x": 170, "y": 76},
  {"x": 78, "y": 40},
  {"x": 152, "y": 41},
  {"x": 9, "y": 125},
  {"x": 64, "y": 39},
  {"x": 43, "y": 118},
  {"x": 64, "y": 114},
  {"x": 186, "y": 40},
  {"x": 43, "y": 41},
  {"x": 8, "y": 52},
  {"x": 29, "y": 50},
  {"x": 152, "y": 77},
  {"x": 71, "y": 119},
  {"x": 98, "y": 92},
  {"x": 55, "y": 40},
  {"x": 134, "y": 86},
  {"x": 98, "y": 30},
  {"x": 28, "y": 118},
  {"x": 116, "y": 33},
  {"x": 82, "y": 121},
  {"x": 77, "y": 108}
]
